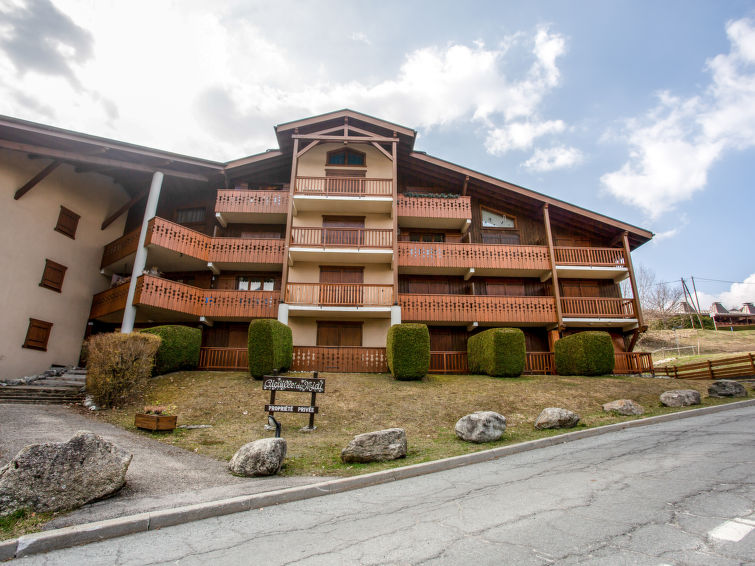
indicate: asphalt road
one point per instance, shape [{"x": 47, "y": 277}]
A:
[{"x": 675, "y": 493}]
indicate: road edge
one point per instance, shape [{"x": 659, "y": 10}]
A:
[{"x": 66, "y": 537}]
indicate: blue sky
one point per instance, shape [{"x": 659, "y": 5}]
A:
[{"x": 644, "y": 111}]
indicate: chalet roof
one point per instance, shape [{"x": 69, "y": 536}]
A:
[
  {"x": 749, "y": 308},
  {"x": 718, "y": 308}
]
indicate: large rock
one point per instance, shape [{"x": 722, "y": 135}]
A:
[
  {"x": 624, "y": 407},
  {"x": 680, "y": 398},
  {"x": 556, "y": 417},
  {"x": 262, "y": 457},
  {"x": 59, "y": 476},
  {"x": 481, "y": 426},
  {"x": 727, "y": 388},
  {"x": 377, "y": 446}
]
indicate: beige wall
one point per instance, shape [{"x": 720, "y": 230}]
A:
[
  {"x": 304, "y": 331},
  {"x": 312, "y": 163},
  {"x": 374, "y": 273},
  {"x": 314, "y": 219},
  {"x": 28, "y": 238}
]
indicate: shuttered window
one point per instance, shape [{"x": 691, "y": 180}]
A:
[
  {"x": 38, "y": 334},
  {"x": 68, "y": 221},
  {"x": 52, "y": 277}
]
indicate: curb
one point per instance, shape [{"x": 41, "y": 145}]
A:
[{"x": 66, "y": 537}]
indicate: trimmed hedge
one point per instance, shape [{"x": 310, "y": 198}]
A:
[
  {"x": 271, "y": 347},
  {"x": 119, "y": 366},
  {"x": 499, "y": 352},
  {"x": 585, "y": 353},
  {"x": 178, "y": 350},
  {"x": 407, "y": 350}
]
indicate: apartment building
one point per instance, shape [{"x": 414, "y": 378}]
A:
[{"x": 342, "y": 231}]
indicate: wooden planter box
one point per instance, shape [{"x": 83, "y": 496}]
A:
[{"x": 155, "y": 422}]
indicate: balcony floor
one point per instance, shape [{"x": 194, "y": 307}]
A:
[
  {"x": 592, "y": 272},
  {"x": 623, "y": 323},
  {"x": 354, "y": 313},
  {"x": 340, "y": 255},
  {"x": 337, "y": 203}
]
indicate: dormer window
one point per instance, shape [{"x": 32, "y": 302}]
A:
[
  {"x": 346, "y": 157},
  {"x": 493, "y": 219}
]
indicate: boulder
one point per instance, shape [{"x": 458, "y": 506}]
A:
[
  {"x": 377, "y": 446},
  {"x": 624, "y": 407},
  {"x": 60, "y": 476},
  {"x": 262, "y": 457},
  {"x": 481, "y": 426},
  {"x": 680, "y": 398},
  {"x": 555, "y": 417},
  {"x": 726, "y": 388}
]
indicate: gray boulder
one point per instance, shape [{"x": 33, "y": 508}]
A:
[
  {"x": 481, "y": 426},
  {"x": 262, "y": 457},
  {"x": 680, "y": 398},
  {"x": 624, "y": 407},
  {"x": 555, "y": 417},
  {"x": 59, "y": 476},
  {"x": 726, "y": 388},
  {"x": 378, "y": 446}
]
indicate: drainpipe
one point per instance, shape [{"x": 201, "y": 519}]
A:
[{"x": 140, "y": 260}]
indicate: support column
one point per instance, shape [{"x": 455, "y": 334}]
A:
[
  {"x": 289, "y": 218},
  {"x": 633, "y": 281},
  {"x": 394, "y": 208},
  {"x": 140, "y": 259},
  {"x": 395, "y": 314},
  {"x": 283, "y": 313},
  {"x": 554, "y": 275}
]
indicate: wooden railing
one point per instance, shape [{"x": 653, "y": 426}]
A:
[
  {"x": 191, "y": 243},
  {"x": 342, "y": 237},
  {"x": 477, "y": 308},
  {"x": 479, "y": 256},
  {"x": 633, "y": 362},
  {"x": 339, "y": 358},
  {"x": 257, "y": 202},
  {"x": 597, "y": 307},
  {"x": 343, "y": 186},
  {"x": 540, "y": 363},
  {"x": 223, "y": 358},
  {"x": 603, "y": 257},
  {"x": 724, "y": 368},
  {"x": 448, "y": 362},
  {"x": 109, "y": 301},
  {"x": 339, "y": 294},
  {"x": 433, "y": 207}
]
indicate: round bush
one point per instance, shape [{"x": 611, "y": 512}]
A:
[
  {"x": 499, "y": 352},
  {"x": 178, "y": 350},
  {"x": 585, "y": 353},
  {"x": 407, "y": 350},
  {"x": 271, "y": 347}
]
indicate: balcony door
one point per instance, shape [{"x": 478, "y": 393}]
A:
[
  {"x": 341, "y": 285},
  {"x": 331, "y": 333},
  {"x": 343, "y": 230}
]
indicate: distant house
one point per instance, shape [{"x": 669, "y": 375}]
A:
[{"x": 735, "y": 317}]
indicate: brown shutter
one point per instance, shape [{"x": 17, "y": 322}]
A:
[
  {"x": 52, "y": 276},
  {"x": 37, "y": 334},
  {"x": 68, "y": 221}
]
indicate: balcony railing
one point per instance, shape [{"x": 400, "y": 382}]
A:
[
  {"x": 254, "y": 202},
  {"x": 342, "y": 237},
  {"x": 448, "y": 362},
  {"x": 477, "y": 308},
  {"x": 339, "y": 294},
  {"x": 109, "y": 301},
  {"x": 191, "y": 243},
  {"x": 339, "y": 358},
  {"x": 601, "y": 257},
  {"x": 540, "y": 363},
  {"x": 223, "y": 358},
  {"x": 594, "y": 307},
  {"x": 344, "y": 186},
  {"x": 433, "y": 207},
  {"x": 479, "y": 256}
]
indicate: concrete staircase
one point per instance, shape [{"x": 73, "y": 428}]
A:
[{"x": 55, "y": 389}]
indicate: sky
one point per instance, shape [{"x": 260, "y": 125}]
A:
[{"x": 640, "y": 110}]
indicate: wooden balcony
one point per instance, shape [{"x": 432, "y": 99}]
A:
[
  {"x": 597, "y": 307},
  {"x": 339, "y": 294},
  {"x": 434, "y": 212},
  {"x": 119, "y": 249},
  {"x": 343, "y": 194},
  {"x": 528, "y": 311},
  {"x": 592, "y": 263},
  {"x": 258, "y": 207},
  {"x": 110, "y": 301},
  {"x": 485, "y": 259},
  {"x": 372, "y": 245}
]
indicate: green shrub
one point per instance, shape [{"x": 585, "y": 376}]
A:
[
  {"x": 585, "y": 353},
  {"x": 271, "y": 347},
  {"x": 407, "y": 350},
  {"x": 119, "y": 366},
  {"x": 178, "y": 350},
  {"x": 499, "y": 352}
]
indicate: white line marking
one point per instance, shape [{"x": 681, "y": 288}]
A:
[{"x": 734, "y": 530}]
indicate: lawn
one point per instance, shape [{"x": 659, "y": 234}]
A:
[
  {"x": 711, "y": 344},
  {"x": 354, "y": 403}
]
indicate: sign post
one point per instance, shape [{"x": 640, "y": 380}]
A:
[{"x": 313, "y": 386}]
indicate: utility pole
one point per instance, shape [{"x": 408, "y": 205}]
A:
[{"x": 694, "y": 288}]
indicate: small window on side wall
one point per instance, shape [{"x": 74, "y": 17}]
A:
[
  {"x": 346, "y": 157},
  {"x": 190, "y": 215},
  {"x": 52, "y": 276},
  {"x": 495, "y": 219},
  {"x": 68, "y": 222},
  {"x": 37, "y": 334}
]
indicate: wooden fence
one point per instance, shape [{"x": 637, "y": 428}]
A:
[
  {"x": 725, "y": 368},
  {"x": 343, "y": 186},
  {"x": 433, "y": 207},
  {"x": 479, "y": 256},
  {"x": 339, "y": 294},
  {"x": 342, "y": 237},
  {"x": 257, "y": 202},
  {"x": 223, "y": 358},
  {"x": 339, "y": 358},
  {"x": 605, "y": 257},
  {"x": 597, "y": 307},
  {"x": 481, "y": 308}
]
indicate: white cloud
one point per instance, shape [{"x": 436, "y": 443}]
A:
[
  {"x": 520, "y": 135},
  {"x": 739, "y": 293},
  {"x": 552, "y": 158},
  {"x": 360, "y": 36},
  {"x": 673, "y": 146}
]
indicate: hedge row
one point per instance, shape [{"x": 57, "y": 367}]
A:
[
  {"x": 499, "y": 352},
  {"x": 271, "y": 347},
  {"x": 585, "y": 353},
  {"x": 178, "y": 350},
  {"x": 407, "y": 350}
]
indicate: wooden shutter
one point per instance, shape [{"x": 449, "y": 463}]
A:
[
  {"x": 37, "y": 334},
  {"x": 52, "y": 276},
  {"x": 68, "y": 221}
]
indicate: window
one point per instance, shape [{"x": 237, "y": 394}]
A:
[
  {"x": 244, "y": 283},
  {"x": 37, "y": 335},
  {"x": 347, "y": 157},
  {"x": 68, "y": 221},
  {"x": 190, "y": 215},
  {"x": 52, "y": 276},
  {"x": 493, "y": 219}
]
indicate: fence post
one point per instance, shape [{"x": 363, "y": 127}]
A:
[
  {"x": 676, "y": 373},
  {"x": 710, "y": 369},
  {"x": 752, "y": 363}
]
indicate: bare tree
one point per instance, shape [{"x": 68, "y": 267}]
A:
[{"x": 659, "y": 299}]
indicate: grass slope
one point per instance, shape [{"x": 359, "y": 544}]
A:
[{"x": 713, "y": 344}]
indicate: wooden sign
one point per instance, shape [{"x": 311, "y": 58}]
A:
[{"x": 274, "y": 383}]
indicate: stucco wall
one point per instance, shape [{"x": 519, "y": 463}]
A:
[
  {"x": 314, "y": 219},
  {"x": 374, "y": 273},
  {"x": 304, "y": 331},
  {"x": 312, "y": 163},
  {"x": 28, "y": 238}
]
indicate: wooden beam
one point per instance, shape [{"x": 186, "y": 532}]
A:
[
  {"x": 554, "y": 275},
  {"x": 84, "y": 158},
  {"x": 289, "y": 219},
  {"x": 466, "y": 184},
  {"x": 362, "y": 139},
  {"x": 394, "y": 210},
  {"x": 110, "y": 219},
  {"x": 31, "y": 183},
  {"x": 309, "y": 146},
  {"x": 388, "y": 155},
  {"x": 632, "y": 280}
]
